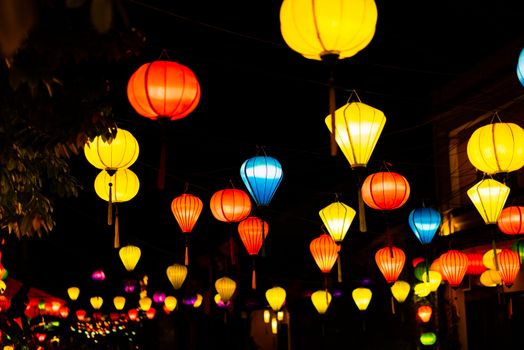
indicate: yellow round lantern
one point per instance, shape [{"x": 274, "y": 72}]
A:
[
  {"x": 170, "y": 302},
  {"x": 198, "y": 300},
  {"x": 422, "y": 289},
  {"x": 129, "y": 256},
  {"x": 73, "y": 293},
  {"x": 96, "y": 302},
  {"x": 362, "y": 297},
  {"x": 119, "y": 302},
  {"x": 276, "y": 297},
  {"x": 145, "y": 303},
  {"x": 434, "y": 280},
  {"x": 337, "y": 217},
  {"x": 124, "y": 185},
  {"x": 225, "y": 287},
  {"x": 321, "y": 300},
  {"x": 400, "y": 290},
  {"x": 490, "y": 278},
  {"x": 119, "y": 153},
  {"x": 176, "y": 274},
  {"x": 489, "y": 197},
  {"x": 497, "y": 148},
  {"x": 488, "y": 259}
]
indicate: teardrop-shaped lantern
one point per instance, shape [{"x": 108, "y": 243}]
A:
[
  {"x": 119, "y": 302},
  {"x": 225, "y": 287},
  {"x": 187, "y": 209},
  {"x": 176, "y": 274},
  {"x": 73, "y": 293},
  {"x": 454, "y": 265},
  {"x": 321, "y": 300},
  {"x": 509, "y": 266},
  {"x": 170, "y": 302},
  {"x": 129, "y": 256},
  {"x": 424, "y": 313},
  {"x": 424, "y": 223},
  {"x": 119, "y": 153},
  {"x": 96, "y": 302},
  {"x": 362, "y": 297},
  {"x": 489, "y": 197},
  {"x": 230, "y": 205},
  {"x": 390, "y": 260},
  {"x": 324, "y": 251},
  {"x": 124, "y": 185},
  {"x": 497, "y": 148},
  {"x": 150, "y": 313},
  {"x": 385, "y": 190},
  {"x": 262, "y": 175},
  {"x": 511, "y": 220},
  {"x": 358, "y": 128},
  {"x": 337, "y": 217},
  {"x": 145, "y": 303},
  {"x": 132, "y": 314},
  {"x": 475, "y": 264},
  {"x": 400, "y": 290},
  {"x": 80, "y": 314},
  {"x": 252, "y": 232},
  {"x": 276, "y": 297}
]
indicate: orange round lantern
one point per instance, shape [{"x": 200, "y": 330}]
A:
[
  {"x": 186, "y": 208},
  {"x": 475, "y": 264},
  {"x": 252, "y": 232},
  {"x": 325, "y": 252},
  {"x": 230, "y": 205},
  {"x": 509, "y": 266},
  {"x": 385, "y": 190},
  {"x": 511, "y": 220},
  {"x": 390, "y": 261},
  {"x": 424, "y": 313},
  {"x": 454, "y": 265}
]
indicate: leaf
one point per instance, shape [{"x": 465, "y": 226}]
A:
[{"x": 102, "y": 15}]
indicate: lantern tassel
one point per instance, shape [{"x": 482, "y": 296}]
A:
[
  {"x": 110, "y": 206},
  {"x": 339, "y": 269},
  {"x": 254, "y": 278},
  {"x": 117, "y": 230},
  {"x": 186, "y": 257},
  {"x": 392, "y": 305},
  {"x": 361, "y": 213}
]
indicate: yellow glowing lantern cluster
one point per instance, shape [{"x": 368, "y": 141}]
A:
[
  {"x": 119, "y": 302},
  {"x": 362, "y": 297},
  {"x": 176, "y": 274},
  {"x": 321, "y": 300},
  {"x": 73, "y": 293},
  {"x": 170, "y": 303},
  {"x": 225, "y": 287},
  {"x": 400, "y": 290},
  {"x": 96, "y": 302},
  {"x": 129, "y": 256},
  {"x": 489, "y": 197},
  {"x": 276, "y": 297}
]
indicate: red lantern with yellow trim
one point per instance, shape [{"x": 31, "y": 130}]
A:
[{"x": 385, "y": 190}]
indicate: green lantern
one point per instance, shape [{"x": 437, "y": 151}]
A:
[
  {"x": 518, "y": 247},
  {"x": 419, "y": 270},
  {"x": 428, "y": 338}
]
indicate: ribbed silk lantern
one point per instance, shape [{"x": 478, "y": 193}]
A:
[
  {"x": 475, "y": 264},
  {"x": 129, "y": 255},
  {"x": 489, "y": 197},
  {"x": 276, "y": 297},
  {"x": 119, "y": 302},
  {"x": 509, "y": 266},
  {"x": 253, "y": 231},
  {"x": 119, "y": 153},
  {"x": 454, "y": 265},
  {"x": 424, "y": 223},
  {"x": 225, "y": 287},
  {"x": 362, "y": 297},
  {"x": 424, "y": 313},
  {"x": 73, "y": 293},
  {"x": 511, "y": 220},
  {"x": 520, "y": 67},
  {"x": 497, "y": 148},
  {"x": 321, "y": 300},
  {"x": 390, "y": 260},
  {"x": 187, "y": 209},
  {"x": 385, "y": 190},
  {"x": 176, "y": 274},
  {"x": 324, "y": 251},
  {"x": 400, "y": 290},
  {"x": 262, "y": 175}
]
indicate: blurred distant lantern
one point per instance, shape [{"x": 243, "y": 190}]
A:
[
  {"x": 98, "y": 275},
  {"x": 424, "y": 223},
  {"x": 328, "y": 31},
  {"x": 321, "y": 300},
  {"x": 276, "y": 297},
  {"x": 400, "y": 290},
  {"x": 434, "y": 279},
  {"x": 428, "y": 338},
  {"x": 55, "y": 306},
  {"x": 475, "y": 265},
  {"x": 225, "y": 287},
  {"x": 267, "y": 316},
  {"x": 3, "y": 287},
  {"x": 362, "y": 297},
  {"x": 150, "y": 313},
  {"x": 454, "y": 265},
  {"x": 170, "y": 302},
  {"x": 132, "y": 314},
  {"x": 73, "y": 293},
  {"x": 129, "y": 256},
  {"x": 63, "y": 311},
  {"x": 518, "y": 247},
  {"x": 5, "y": 303},
  {"x": 80, "y": 315},
  {"x": 325, "y": 252},
  {"x": 124, "y": 187},
  {"x": 230, "y": 205},
  {"x": 119, "y": 302},
  {"x": 159, "y": 297},
  {"x": 129, "y": 285},
  {"x": 198, "y": 300},
  {"x": 252, "y": 232},
  {"x": 520, "y": 67},
  {"x": 176, "y": 274},
  {"x": 422, "y": 290},
  {"x": 163, "y": 90},
  {"x": 489, "y": 259},
  {"x": 511, "y": 220},
  {"x": 424, "y": 313},
  {"x": 220, "y": 303},
  {"x": 145, "y": 303},
  {"x": 96, "y": 302},
  {"x": 262, "y": 175},
  {"x": 490, "y": 278},
  {"x": 390, "y": 260},
  {"x": 489, "y": 197},
  {"x": 385, "y": 190},
  {"x": 497, "y": 148},
  {"x": 337, "y": 217},
  {"x": 187, "y": 209},
  {"x": 509, "y": 266}
]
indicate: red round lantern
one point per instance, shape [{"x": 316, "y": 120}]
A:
[
  {"x": 424, "y": 313},
  {"x": 150, "y": 313},
  {"x": 186, "y": 208},
  {"x": 5, "y": 303},
  {"x": 390, "y": 260},
  {"x": 81, "y": 314},
  {"x": 325, "y": 252},
  {"x": 230, "y": 205},
  {"x": 252, "y": 232},
  {"x": 454, "y": 265},
  {"x": 163, "y": 89},
  {"x": 385, "y": 190},
  {"x": 509, "y": 266},
  {"x": 475, "y": 264},
  {"x": 132, "y": 314},
  {"x": 511, "y": 220}
]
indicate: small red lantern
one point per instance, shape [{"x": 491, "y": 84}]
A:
[
  {"x": 186, "y": 208},
  {"x": 81, "y": 314},
  {"x": 132, "y": 314},
  {"x": 385, "y": 190},
  {"x": 454, "y": 265},
  {"x": 509, "y": 266},
  {"x": 5, "y": 303},
  {"x": 64, "y": 311},
  {"x": 511, "y": 220},
  {"x": 424, "y": 313},
  {"x": 41, "y": 337},
  {"x": 390, "y": 261},
  {"x": 325, "y": 252},
  {"x": 475, "y": 264},
  {"x": 150, "y": 313}
]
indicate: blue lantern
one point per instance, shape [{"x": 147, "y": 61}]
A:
[
  {"x": 520, "y": 67},
  {"x": 262, "y": 176},
  {"x": 424, "y": 222}
]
